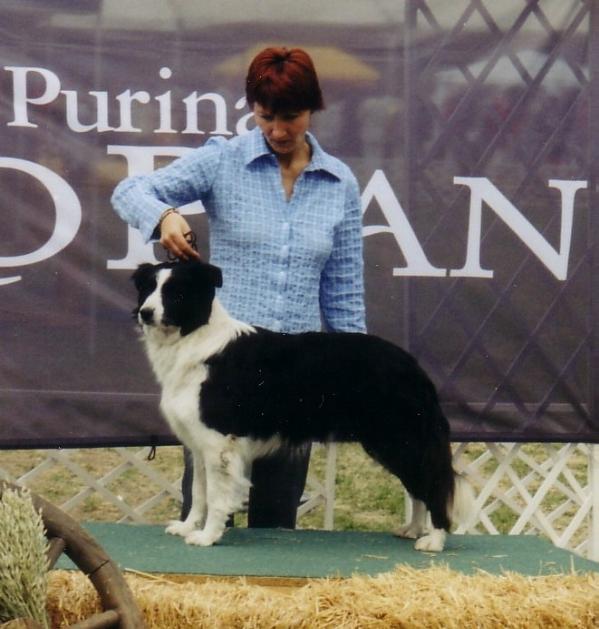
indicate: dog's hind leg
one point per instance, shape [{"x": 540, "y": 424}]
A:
[
  {"x": 432, "y": 541},
  {"x": 417, "y": 526},
  {"x": 226, "y": 488},
  {"x": 197, "y": 514},
  {"x": 428, "y": 477},
  {"x": 427, "y": 540}
]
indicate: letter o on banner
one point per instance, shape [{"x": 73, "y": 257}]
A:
[{"x": 68, "y": 215}]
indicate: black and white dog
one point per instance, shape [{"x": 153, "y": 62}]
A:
[{"x": 232, "y": 393}]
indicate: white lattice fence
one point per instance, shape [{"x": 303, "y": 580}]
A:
[
  {"x": 125, "y": 486},
  {"x": 543, "y": 489},
  {"x": 82, "y": 481}
]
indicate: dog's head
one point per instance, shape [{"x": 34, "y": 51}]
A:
[{"x": 175, "y": 294}]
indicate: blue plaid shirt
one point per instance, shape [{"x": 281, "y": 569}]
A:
[{"x": 285, "y": 262}]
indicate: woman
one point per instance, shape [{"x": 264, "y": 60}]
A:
[{"x": 285, "y": 228}]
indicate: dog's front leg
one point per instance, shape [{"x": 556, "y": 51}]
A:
[
  {"x": 226, "y": 487},
  {"x": 197, "y": 514}
]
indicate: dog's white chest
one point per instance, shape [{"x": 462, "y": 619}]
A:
[
  {"x": 180, "y": 368},
  {"x": 181, "y": 375},
  {"x": 180, "y": 401}
]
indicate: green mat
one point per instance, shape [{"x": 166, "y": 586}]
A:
[{"x": 307, "y": 553}]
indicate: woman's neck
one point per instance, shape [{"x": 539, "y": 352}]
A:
[{"x": 292, "y": 165}]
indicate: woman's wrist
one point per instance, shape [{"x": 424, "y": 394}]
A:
[{"x": 167, "y": 212}]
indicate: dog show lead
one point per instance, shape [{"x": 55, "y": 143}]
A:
[{"x": 285, "y": 228}]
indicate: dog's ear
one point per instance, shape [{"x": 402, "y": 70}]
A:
[
  {"x": 215, "y": 275},
  {"x": 206, "y": 272},
  {"x": 142, "y": 274}
]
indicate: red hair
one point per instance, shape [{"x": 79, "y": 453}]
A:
[{"x": 283, "y": 80}]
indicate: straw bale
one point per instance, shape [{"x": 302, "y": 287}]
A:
[{"x": 436, "y": 597}]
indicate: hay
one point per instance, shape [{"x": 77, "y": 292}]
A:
[{"x": 435, "y": 597}]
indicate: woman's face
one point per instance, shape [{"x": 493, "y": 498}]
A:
[{"x": 284, "y": 131}]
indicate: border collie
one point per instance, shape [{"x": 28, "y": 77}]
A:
[{"x": 232, "y": 393}]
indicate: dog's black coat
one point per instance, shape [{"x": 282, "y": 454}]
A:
[
  {"x": 336, "y": 387},
  {"x": 317, "y": 387}
]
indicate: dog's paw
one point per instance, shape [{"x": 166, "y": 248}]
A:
[
  {"x": 409, "y": 531},
  {"x": 179, "y": 527},
  {"x": 432, "y": 543},
  {"x": 201, "y": 538}
]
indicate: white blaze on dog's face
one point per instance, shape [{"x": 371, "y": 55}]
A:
[
  {"x": 177, "y": 295},
  {"x": 151, "y": 311}
]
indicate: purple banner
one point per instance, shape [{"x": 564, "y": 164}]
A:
[{"x": 468, "y": 129}]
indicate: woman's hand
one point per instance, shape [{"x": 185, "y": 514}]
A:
[{"x": 172, "y": 237}]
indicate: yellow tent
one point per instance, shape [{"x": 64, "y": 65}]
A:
[{"x": 332, "y": 64}]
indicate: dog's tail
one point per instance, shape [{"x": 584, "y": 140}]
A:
[{"x": 461, "y": 507}]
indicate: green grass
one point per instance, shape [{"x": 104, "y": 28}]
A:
[{"x": 367, "y": 497}]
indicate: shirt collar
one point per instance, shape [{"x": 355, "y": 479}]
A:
[{"x": 257, "y": 147}]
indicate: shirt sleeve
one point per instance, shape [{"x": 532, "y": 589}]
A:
[
  {"x": 342, "y": 279},
  {"x": 141, "y": 199}
]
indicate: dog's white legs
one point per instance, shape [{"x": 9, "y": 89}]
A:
[
  {"x": 432, "y": 541},
  {"x": 197, "y": 514},
  {"x": 226, "y": 487},
  {"x": 417, "y": 527}
]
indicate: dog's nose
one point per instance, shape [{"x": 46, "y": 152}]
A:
[{"x": 146, "y": 315}]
